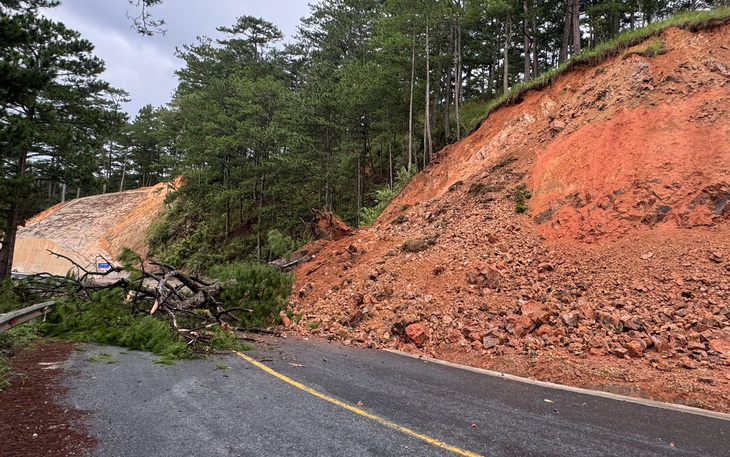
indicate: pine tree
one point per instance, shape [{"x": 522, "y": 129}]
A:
[{"x": 53, "y": 109}]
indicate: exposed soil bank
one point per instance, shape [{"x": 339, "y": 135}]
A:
[{"x": 617, "y": 276}]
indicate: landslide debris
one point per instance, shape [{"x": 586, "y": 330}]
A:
[{"x": 617, "y": 274}]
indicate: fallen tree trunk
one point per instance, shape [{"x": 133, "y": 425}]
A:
[{"x": 160, "y": 290}]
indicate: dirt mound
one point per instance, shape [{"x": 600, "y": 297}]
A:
[
  {"x": 326, "y": 226},
  {"x": 580, "y": 237},
  {"x": 87, "y": 230}
]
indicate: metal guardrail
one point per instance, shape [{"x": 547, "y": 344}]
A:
[{"x": 21, "y": 316}]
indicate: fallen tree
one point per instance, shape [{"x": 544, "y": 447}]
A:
[{"x": 244, "y": 297}]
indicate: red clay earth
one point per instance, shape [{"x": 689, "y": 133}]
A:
[
  {"x": 618, "y": 275},
  {"x": 33, "y": 419}
]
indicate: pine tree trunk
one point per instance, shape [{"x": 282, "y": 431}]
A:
[
  {"x": 526, "y": 41},
  {"x": 427, "y": 120},
  {"x": 390, "y": 164},
  {"x": 425, "y": 143},
  {"x": 535, "y": 53},
  {"x": 124, "y": 171},
  {"x": 109, "y": 167},
  {"x": 435, "y": 100},
  {"x": 359, "y": 186},
  {"x": 447, "y": 98},
  {"x": 490, "y": 83},
  {"x": 457, "y": 91},
  {"x": 507, "y": 40},
  {"x": 8, "y": 246},
  {"x": 410, "y": 111},
  {"x": 258, "y": 218},
  {"x": 7, "y": 251},
  {"x": 576, "y": 27},
  {"x": 566, "y": 32}
]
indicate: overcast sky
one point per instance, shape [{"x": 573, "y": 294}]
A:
[{"x": 144, "y": 66}]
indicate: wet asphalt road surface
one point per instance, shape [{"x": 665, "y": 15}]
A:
[{"x": 227, "y": 406}]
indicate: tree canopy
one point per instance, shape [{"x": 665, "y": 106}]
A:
[{"x": 262, "y": 131}]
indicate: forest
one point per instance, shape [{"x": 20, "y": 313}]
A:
[{"x": 262, "y": 130}]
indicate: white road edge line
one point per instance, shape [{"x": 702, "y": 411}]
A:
[{"x": 580, "y": 390}]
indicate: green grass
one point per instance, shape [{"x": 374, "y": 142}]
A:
[
  {"x": 653, "y": 47},
  {"x": 474, "y": 112}
]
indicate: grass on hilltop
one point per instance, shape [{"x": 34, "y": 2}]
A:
[{"x": 474, "y": 112}]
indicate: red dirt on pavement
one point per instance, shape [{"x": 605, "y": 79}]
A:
[
  {"x": 33, "y": 419},
  {"x": 616, "y": 278}
]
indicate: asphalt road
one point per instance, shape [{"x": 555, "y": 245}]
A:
[{"x": 228, "y": 406}]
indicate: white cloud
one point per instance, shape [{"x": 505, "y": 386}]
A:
[{"x": 145, "y": 66}]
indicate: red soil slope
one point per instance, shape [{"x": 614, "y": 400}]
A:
[{"x": 618, "y": 276}]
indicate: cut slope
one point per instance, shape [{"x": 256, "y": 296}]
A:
[
  {"x": 635, "y": 142},
  {"x": 87, "y": 230},
  {"x": 624, "y": 252}
]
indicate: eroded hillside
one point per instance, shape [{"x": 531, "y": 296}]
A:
[
  {"x": 616, "y": 276},
  {"x": 88, "y": 230}
]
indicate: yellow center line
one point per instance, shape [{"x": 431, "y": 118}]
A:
[{"x": 359, "y": 411}]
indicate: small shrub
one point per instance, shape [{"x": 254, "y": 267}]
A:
[
  {"x": 279, "y": 245},
  {"x": 384, "y": 195},
  {"x": 521, "y": 194},
  {"x": 296, "y": 317}
]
